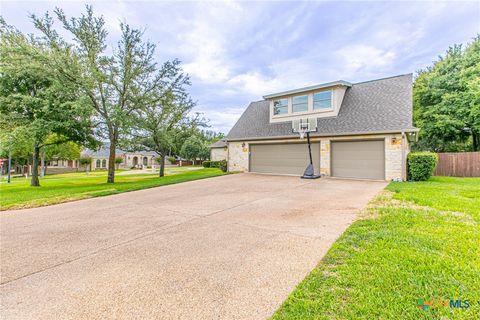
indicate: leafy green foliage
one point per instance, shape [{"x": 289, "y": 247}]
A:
[
  {"x": 85, "y": 161},
  {"x": 34, "y": 101},
  {"x": 63, "y": 151},
  {"x": 171, "y": 159},
  {"x": 116, "y": 84},
  {"x": 447, "y": 101},
  {"x": 222, "y": 164},
  {"x": 421, "y": 165},
  {"x": 194, "y": 148},
  {"x": 118, "y": 160},
  {"x": 160, "y": 119}
]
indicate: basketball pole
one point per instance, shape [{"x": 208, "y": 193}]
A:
[
  {"x": 310, "y": 171},
  {"x": 309, "y": 148}
]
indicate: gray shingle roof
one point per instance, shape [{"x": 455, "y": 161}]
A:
[
  {"x": 104, "y": 151},
  {"x": 372, "y": 106},
  {"x": 219, "y": 144}
]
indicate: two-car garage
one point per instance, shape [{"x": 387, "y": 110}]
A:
[{"x": 360, "y": 159}]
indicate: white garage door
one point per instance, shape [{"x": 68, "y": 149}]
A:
[{"x": 358, "y": 159}]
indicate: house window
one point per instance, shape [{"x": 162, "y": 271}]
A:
[
  {"x": 97, "y": 163},
  {"x": 322, "y": 100},
  {"x": 280, "y": 106},
  {"x": 104, "y": 163},
  {"x": 300, "y": 103},
  {"x": 145, "y": 161}
]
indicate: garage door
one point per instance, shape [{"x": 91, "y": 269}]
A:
[
  {"x": 279, "y": 158},
  {"x": 358, "y": 159}
]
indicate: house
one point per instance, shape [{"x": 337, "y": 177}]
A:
[
  {"x": 137, "y": 159},
  {"x": 218, "y": 150},
  {"x": 363, "y": 130}
]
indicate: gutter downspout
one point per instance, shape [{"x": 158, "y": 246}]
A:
[
  {"x": 228, "y": 156},
  {"x": 404, "y": 164}
]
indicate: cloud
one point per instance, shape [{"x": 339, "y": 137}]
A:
[
  {"x": 238, "y": 51},
  {"x": 364, "y": 58}
]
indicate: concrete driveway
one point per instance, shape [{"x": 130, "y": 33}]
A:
[{"x": 231, "y": 247}]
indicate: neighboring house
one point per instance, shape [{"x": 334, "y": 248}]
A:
[
  {"x": 363, "y": 130},
  {"x": 218, "y": 150},
  {"x": 137, "y": 159}
]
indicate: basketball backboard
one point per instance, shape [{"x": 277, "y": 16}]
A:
[{"x": 304, "y": 125}]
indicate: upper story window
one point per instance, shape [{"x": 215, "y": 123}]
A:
[
  {"x": 322, "y": 100},
  {"x": 280, "y": 106},
  {"x": 300, "y": 103}
]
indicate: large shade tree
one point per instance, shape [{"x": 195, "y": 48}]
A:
[
  {"x": 447, "y": 101},
  {"x": 167, "y": 113},
  {"x": 116, "y": 83},
  {"x": 34, "y": 101}
]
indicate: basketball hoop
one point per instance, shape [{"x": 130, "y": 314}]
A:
[
  {"x": 304, "y": 127},
  {"x": 302, "y": 132}
]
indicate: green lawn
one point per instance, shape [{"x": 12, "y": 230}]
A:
[
  {"x": 74, "y": 186},
  {"x": 417, "y": 240}
]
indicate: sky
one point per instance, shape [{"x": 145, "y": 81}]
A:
[{"x": 237, "y": 51}]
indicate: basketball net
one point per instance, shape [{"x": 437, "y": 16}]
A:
[{"x": 302, "y": 132}]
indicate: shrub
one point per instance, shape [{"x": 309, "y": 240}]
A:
[
  {"x": 421, "y": 165},
  {"x": 222, "y": 165},
  {"x": 171, "y": 159},
  {"x": 206, "y": 164},
  {"x": 85, "y": 161}
]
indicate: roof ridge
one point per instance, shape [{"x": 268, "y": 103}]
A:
[{"x": 385, "y": 78}]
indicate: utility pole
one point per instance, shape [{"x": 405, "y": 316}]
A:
[{"x": 9, "y": 163}]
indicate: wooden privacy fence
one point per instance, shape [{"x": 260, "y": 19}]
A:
[{"x": 458, "y": 164}]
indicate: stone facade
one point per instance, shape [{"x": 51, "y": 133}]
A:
[
  {"x": 394, "y": 157},
  {"x": 217, "y": 154},
  {"x": 238, "y": 156}
]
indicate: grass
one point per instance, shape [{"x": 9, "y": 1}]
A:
[
  {"x": 417, "y": 240},
  {"x": 74, "y": 186}
]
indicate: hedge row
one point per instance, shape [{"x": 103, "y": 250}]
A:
[
  {"x": 222, "y": 164},
  {"x": 421, "y": 165}
]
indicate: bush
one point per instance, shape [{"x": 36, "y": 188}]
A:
[
  {"x": 222, "y": 165},
  {"x": 85, "y": 161},
  {"x": 421, "y": 165},
  {"x": 171, "y": 159}
]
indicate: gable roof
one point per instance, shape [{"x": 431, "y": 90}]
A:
[
  {"x": 219, "y": 144},
  {"x": 383, "y": 105},
  {"x": 104, "y": 151}
]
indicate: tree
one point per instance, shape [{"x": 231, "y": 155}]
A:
[
  {"x": 63, "y": 151},
  {"x": 118, "y": 161},
  {"x": 32, "y": 99},
  {"x": 87, "y": 162},
  {"x": 447, "y": 101},
  {"x": 194, "y": 148},
  {"x": 116, "y": 84},
  {"x": 166, "y": 114}
]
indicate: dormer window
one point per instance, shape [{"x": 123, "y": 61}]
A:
[
  {"x": 280, "y": 106},
  {"x": 300, "y": 103},
  {"x": 322, "y": 100}
]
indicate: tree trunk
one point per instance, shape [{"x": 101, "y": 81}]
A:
[
  {"x": 36, "y": 156},
  {"x": 475, "y": 140},
  {"x": 111, "y": 161},
  {"x": 44, "y": 171},
  {"x": 161, "y": 173}
]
